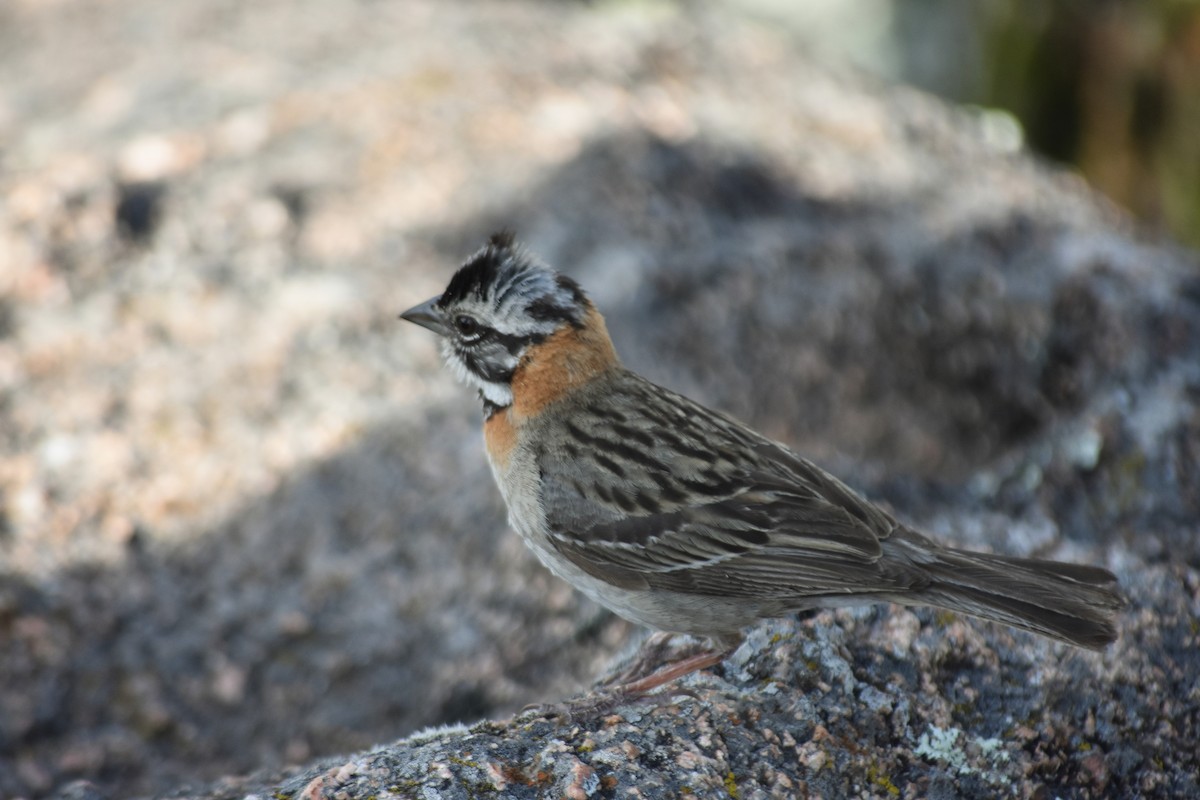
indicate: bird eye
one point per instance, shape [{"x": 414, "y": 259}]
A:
[{"x": 467, "y": 326}]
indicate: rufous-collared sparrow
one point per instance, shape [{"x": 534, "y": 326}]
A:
[{"x": 683, "y": 519}]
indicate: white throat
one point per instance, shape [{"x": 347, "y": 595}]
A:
[{"x": 498, "y": 394}]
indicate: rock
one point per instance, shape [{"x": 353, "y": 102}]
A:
[{"x": 246, "y": 517}]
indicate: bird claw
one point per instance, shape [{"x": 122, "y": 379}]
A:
[
  {"x": 598, "y": 704},
  {"x": 569, "y": 711},
  {"x": 646, "y": 680}
]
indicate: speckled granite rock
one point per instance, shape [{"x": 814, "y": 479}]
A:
[
  {"x": 862, "y": 704},
  {"x": 244, "y": 515}
]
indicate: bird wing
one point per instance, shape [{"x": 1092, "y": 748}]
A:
[
  {"x": 645, "y": 488},
  {"x": 765, "y": 536},
  {"x": 755, "y": 544}
]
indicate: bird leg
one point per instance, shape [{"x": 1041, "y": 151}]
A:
[
  {"x": 639, "y": 681},
  {"x": 650, "y": 655},
  {"x": 685, "y": 666}
]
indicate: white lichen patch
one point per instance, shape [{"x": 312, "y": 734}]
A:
[{"x": 951, "y": 746}]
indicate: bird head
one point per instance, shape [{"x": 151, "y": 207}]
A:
[{"x": 499, "y": 306}]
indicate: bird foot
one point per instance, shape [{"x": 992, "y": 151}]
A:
[
  {"x": 633, "y": 684},
  {"x": 597, "y": 704},
  {"x": 652, "y": 654}
]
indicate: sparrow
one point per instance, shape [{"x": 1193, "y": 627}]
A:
[{"x": 681, "y": 518}]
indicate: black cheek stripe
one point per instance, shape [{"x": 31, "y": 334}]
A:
[{"x": 484, "y": 370}]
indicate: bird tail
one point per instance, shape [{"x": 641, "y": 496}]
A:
[{"x": 1071, "y": 602}]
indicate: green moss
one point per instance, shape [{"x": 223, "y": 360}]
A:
[
  {"x": 405, "y": 788},
  {"x": 396, "y": 788},
  {"x": 877, "y": 777},
  {"x": 731, "y": 785}
]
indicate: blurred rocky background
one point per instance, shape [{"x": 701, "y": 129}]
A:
[
  {"x": 245, "y": 520},
  {"x": 1110, "y": 88}
]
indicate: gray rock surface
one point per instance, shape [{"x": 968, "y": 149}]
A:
[{"x": 245, "y": 520}]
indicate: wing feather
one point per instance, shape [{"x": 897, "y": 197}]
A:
[{"x": 730, "y": 514}]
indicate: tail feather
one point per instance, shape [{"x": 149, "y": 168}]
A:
[{"x": 1071, "y": 602}]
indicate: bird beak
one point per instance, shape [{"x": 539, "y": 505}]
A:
[{"x": 427, "y": 315}]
